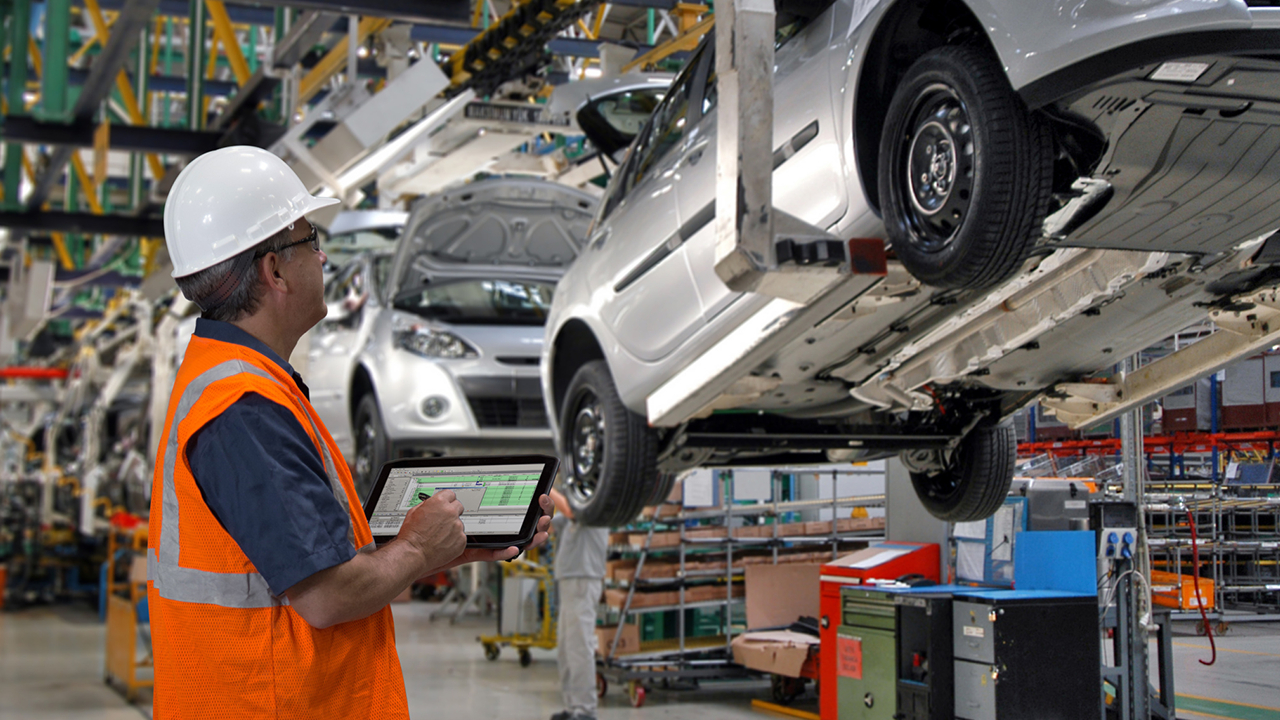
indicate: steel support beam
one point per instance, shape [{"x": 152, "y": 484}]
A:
[
  {"x": 54, "y": 221},
  {"x": 19, "y": 22},
  {"x": 336, "y": 59},
  {"x": 57, "y": 46},
  {"x": 303, "y": 35},
  {"x": 195, "y": 65},
  {"x": 240, "y": 14},
  {"x": 135, "y": 16},
  {"x": 18, "y": 129},
  {"x": 412, "y": 10},
  {"x": 227, "y": 36},
  {"x": 167, "y": 83}
]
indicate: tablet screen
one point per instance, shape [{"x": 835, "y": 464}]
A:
[{"x": 495, "y": 498}]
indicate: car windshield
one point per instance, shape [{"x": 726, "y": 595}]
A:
[{"x": 481, "y": 302}]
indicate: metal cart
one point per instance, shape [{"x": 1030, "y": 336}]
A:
[{"x": 544, "y": 605}]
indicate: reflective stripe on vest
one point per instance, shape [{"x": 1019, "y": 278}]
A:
[{"x": 233, "y": 590}]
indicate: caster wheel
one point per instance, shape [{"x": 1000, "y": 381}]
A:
[
  {"x": 602, "y": 685},
  {"x": 1222, "y": 628},
  {"x": 784, "y": 689},
  {"x": 635, "y": 691},
  {"x": 526, "y": 659},
  {"x": 491, "y": 652},
  {"x": 1201, "y": 627}
]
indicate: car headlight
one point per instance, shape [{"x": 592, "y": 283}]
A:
[{"x": 435, "y": 344}]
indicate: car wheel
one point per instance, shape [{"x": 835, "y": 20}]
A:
[
  {"x": 966, "y": 172},
  {"x": 610, "y": 452},
  {"x": 371, "y": 444},
  {"x": 975, "y": 482},
  {"x": 661, "y": 489}
]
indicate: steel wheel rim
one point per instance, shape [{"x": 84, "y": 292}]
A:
[
  {"x": 945, "y": 483},
  {"x": 364, "y": 449},
  {"x": 938, "y": 166},
  {"x": 586, "y": 447}
]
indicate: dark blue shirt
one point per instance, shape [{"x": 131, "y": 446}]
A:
[{"x": 264, "y": 480}]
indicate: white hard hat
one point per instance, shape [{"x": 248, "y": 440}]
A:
[{"x": 228, "y": 200}]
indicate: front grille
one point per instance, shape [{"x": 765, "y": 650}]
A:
[{"x": 509, "y": 412}]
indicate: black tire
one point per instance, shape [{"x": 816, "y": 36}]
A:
[
  {"x": 661, "y": 489},
  {"x": 972, "y": 223},
  {"x": 978, "y": 481},
  {"x": 371, "y": 444},
  {"x": 610, "y": 453}
]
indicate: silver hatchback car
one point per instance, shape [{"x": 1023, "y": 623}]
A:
[
  {"x": 434, "y": 349},
  {"x": 1058, "y": 185}
]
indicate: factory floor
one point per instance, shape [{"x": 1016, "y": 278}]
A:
[{"x": 51, "y": 661}]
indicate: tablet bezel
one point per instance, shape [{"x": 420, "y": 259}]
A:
[{"x": 528, "y": 529}]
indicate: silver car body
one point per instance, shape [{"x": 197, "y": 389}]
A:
[
  {"x": 501, "y": 229},
  {"x": 647, "y": 294}
]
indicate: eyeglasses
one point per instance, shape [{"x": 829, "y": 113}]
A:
[{"x": 312, "y": 237}]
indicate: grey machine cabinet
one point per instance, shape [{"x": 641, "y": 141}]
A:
[{"x": 1026, "y": 655}]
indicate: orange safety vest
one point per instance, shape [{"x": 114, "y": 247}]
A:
[{"x": 224, "y": 646}]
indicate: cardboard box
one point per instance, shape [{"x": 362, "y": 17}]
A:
[
  {"x": 817, "y": 527},
  {"x": 628, "y": 641},
  {"x": 779, "y": 652},
  {"x": 779, "y": 594},
  {"x": 615, "y": 597},
  {"x": 853, "y": 524}
]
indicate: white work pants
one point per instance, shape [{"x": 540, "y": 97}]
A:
[{"x": 576, "y": 643}]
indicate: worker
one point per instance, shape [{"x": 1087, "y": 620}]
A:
[
  {"x": 580, "y": 554},
  {"x": 267, "y": 596}
]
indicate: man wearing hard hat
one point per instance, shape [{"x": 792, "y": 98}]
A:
[{"x": 267, "y": 597}]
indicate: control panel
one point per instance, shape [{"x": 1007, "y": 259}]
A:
[{"x": 1115, "y": 524}]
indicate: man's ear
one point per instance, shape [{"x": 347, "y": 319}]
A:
[{"x": 269, "y": 271}]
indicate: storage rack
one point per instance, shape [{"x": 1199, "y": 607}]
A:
[
  {"x": 690, "y": 660},
  {"x": 1238, "y": 525}
]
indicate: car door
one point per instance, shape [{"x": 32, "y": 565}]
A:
[
  {"x": 638, "y": 238},
  {"x": 335, "y": 342},
  {"x": 808, "y": 181}
]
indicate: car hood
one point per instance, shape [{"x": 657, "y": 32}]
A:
[{"x": 523, "y": 223}]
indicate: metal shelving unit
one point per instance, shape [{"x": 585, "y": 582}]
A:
[{"x": 684, "y": 659}]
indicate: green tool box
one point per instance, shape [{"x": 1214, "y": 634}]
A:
[{"x": 866, "y": 656}]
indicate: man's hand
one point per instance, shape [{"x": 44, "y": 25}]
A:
[
  {"x": 434, "y": 528},
  {"x": 470, "y": 555}
]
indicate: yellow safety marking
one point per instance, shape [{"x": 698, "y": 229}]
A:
[
  {"x": 783, "y": 710},
  {"x": 1227, "y": 650}
]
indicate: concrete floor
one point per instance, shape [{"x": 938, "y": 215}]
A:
[{"x": 51, "y": 663}]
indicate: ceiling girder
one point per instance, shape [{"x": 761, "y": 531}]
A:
[
  {"x": 305, "y": 32},
  {"x": 412, "y": 10},
  {"x": 18, "y": 128},
  {"x": 133, "y": 17},
  {"x": 88, "y": 223}
]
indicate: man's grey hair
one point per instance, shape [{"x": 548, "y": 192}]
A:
[{"x": 246, "y": 295}]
